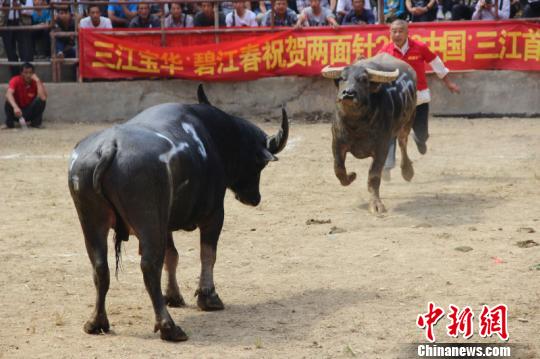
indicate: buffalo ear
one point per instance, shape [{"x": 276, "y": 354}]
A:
[
  {"x": 201, "y": 96},
  {"x": 266, "y": 156}
]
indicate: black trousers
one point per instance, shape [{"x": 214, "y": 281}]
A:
[
  {"x": 32, "y": 113},
  {"x": 420, "y": 124},
  {"x": 18, "y": 45}
]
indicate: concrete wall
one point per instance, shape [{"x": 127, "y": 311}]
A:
[{"x": 493, "y": 93}]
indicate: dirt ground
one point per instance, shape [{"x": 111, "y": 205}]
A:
[{"x": 291, "y": 289}]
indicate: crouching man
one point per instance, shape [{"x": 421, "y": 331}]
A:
[{"x": 25, "y": 99}]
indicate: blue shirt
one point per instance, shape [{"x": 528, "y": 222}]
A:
[
  {"x": 118, "y": 11},
  {"x": 44, "y": 18}
]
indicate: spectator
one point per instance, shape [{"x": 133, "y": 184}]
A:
[
  {"x": 17, "y": 44},
  {"x": 95, "y": 20},
  {"x": 177, "y": 19},
  {"x": 144, "y": 19},
  {"x": 463, "y": 10},
  {"x": 120, "y": 13},
  {"x": 241, "y": 16},
  {"x": 532, "y": 9},
  {"x": 41, "y": 38},
  {"x": 284, "y": 16},
  {"x": 205, "y": 17},
  {"x": 315, "y": 15},
  {"x": 486, "y": 10},
  {"x": 394, "y": 9},
  {"x": 422, "y": 10},
  {"x": 358, "y": 14},
  {"x": 304, "y": 4},
  {"x": 65, "y": 45},
  {"x": 345, "y": 6},
  {"x": 25, "y": 99},
  {"x": 226, "y": 7}
]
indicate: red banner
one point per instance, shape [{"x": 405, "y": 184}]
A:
[{"x": 486, "y": 45}]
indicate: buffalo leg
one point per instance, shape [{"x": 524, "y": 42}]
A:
[
  {"x": 207, "y": 298},
  {"x": 340, "y": 153},
  {"x": 172, "y": 294},
  {"x": 374, "y": 181},
  {"x": 153, "y": 253},
  {"x": 407, "y": 170},
  {"x": 95, "y": 229}
]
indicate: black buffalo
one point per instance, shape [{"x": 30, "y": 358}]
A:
[
  {"x": 376, "y": 101},
  {"x": 166, "y": 169}
]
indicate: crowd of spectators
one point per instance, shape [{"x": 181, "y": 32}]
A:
[{"x": 30, "y": 45}]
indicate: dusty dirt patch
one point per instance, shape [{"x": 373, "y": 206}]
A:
[{"x": 290, "y": 288}]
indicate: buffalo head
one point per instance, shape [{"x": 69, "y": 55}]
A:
[
  {"x": 355, "y": 83},
  {"x": 252, "y": 152},
  {"x": 260, "y": 150}
]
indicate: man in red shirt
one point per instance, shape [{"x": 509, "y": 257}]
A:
[
  {"x": 415, "y": 53},
  {"x": 25, "y": 98}
]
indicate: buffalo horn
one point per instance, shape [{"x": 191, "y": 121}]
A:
[
  {"x": 382, "y": 76},
  {"x": 277, "y": 142},
  {"x": 332, "y": 72}
]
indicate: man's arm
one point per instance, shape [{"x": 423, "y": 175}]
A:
[
  {"x": 11, "y": 99},
  {"x": 442, "y": 72},
  {"x": 42, "y": 93},
  {"x": 332, "y": 21},
  {"x": 301, "y": 20}
]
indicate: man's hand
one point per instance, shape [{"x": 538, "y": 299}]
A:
[
  {"x": 35, "y": 78},
  {"x": 452, "y": 87},
  {"x": 17, "y": 111}
]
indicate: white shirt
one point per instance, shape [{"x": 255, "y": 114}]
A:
[
  {"x": 249, "y": 19},
  {"x": 14, "y": 15},
  {"x": 344, "y": 6},
  {"x": 104, "y": 23},
  {"x": 484, "y": 14}
]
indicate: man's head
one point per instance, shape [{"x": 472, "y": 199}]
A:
[
  {"x": 240, "y": 7},
  {"x": 358, "y": 6},
  {"x": 64, "y": 15},
  {"x": 95, "y": 14},
  {"x": 27, "y": 71},
  {"x": 176, "y": 10},
  {"x": 399, "y": 31},
  {"x": 315, "y": 4},
  {"x": 280, "y": 7},
  {"x": 208, "y": 9},
  {"x": 143, "y": 10}
]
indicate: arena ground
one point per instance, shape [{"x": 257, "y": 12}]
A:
[{"x": 293, "y": 287}]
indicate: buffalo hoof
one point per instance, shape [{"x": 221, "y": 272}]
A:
[
  {"x": 407, "y": 172},
  {"x": 97, "y": 325},
  {"x": 170, "y": 332},
  {"x": 208, "y": 300},
  {"x": 376, "y": 206},
  {"x": 347, "y": 178},
  {"x": 174, "y": 300}
]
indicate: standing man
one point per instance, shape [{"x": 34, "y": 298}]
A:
[
  {"x": 415, "y": 53},
  {"x": 25, "y": 98}
]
